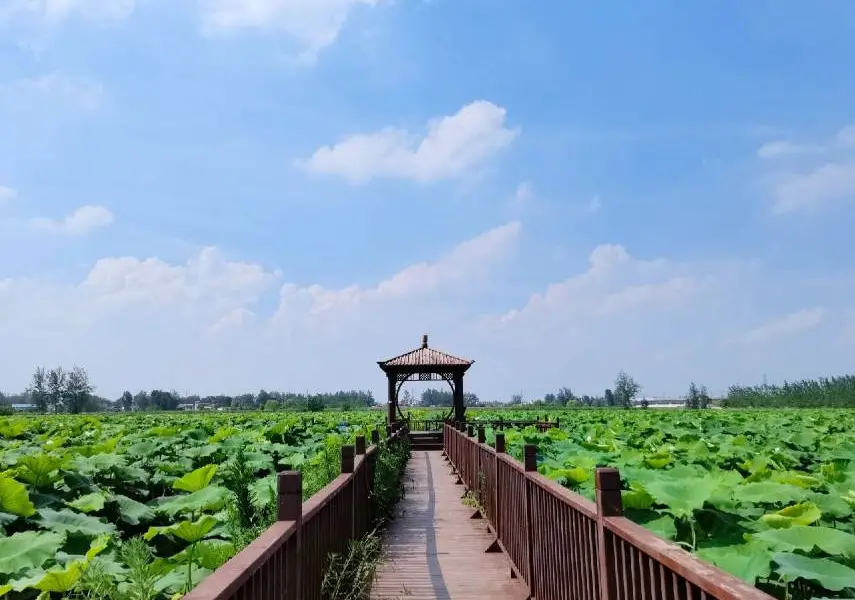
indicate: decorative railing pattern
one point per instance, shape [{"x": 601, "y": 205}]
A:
[
  {"x": 287, "y": 561},
  {"x": 565, "y": 546}
]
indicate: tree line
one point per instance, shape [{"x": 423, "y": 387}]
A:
[
  {"x": 434, "y": 397},
  {"x": 834, "y": 392},
  {"x": 58, "y": 390}
]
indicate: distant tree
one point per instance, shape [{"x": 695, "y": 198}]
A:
[
  {"x": 77, "y": 395},
  {"x": 314, "y": 404},
  {"x": 56, "y": 388},
  {"x": 433, "y": 397},
  {"x": 271, "y": 405},
  {"x": 550, "y": 399},
  {"x": 645, "y": 403},
  {"x": 697, "y": 397},
  {"x": 262, "y": 398},
  {"x": 516, "y": 399},
  {"x": 565, "y": 396},
  {"x": 161, "y": 400},
  {"x": 407, "y": 399},
  {"x": 127, "y": 401},
  {"x": 142, "y": 400},
  {"x": 38, "y": 390},
  {"x": 609, "y": 398},
  {"x": 244, "y": 401},
  {"x": 626, "y": 389}
]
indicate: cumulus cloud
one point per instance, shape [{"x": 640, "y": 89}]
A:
[
  {"x": 214, "y": 324},
  {"x": 614, "y": 282},
  {"x": 453, "y": 145},
  {"x": 82, "y": 221},
  {"x": 807, "y": 176},
  {"x": 815, "y": 187},
  {"x": 203, "y": 318},
  {"x": 788, "y": 325},
  {"x": 314, "y": 24},
  {"x": 777, "y": 149}
]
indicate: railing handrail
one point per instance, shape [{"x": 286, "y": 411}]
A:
[{"x": 607, "y": 513}]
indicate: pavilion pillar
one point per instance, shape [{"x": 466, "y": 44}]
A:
[
  {"x": 393, "y": 398},
  {"x": 459, "y": 409}
]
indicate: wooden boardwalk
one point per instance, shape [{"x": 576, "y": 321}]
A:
[{"x": 434, "y": 549}]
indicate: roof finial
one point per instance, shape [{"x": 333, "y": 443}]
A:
[{"x": 424, "y": 341}]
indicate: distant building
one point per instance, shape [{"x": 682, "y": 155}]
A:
[
  {"x": 23, "y": 407},
  {"x": 653, "y": 402}
]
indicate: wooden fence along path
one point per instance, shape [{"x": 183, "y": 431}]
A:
[
  {"x": 535, "y": 539},
  {"x": 565, "y": 547},
  {"x": 287, "y": 562}
]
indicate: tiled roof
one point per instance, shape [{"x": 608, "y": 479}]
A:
[{"x": 426, "y": 357}]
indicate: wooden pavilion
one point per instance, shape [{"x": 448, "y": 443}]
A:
[{"x": 425, "y": 364}]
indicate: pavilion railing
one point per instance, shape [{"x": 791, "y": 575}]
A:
[
  {"x": 565, "y": 546},
  {"x": 287, "y": 562}
]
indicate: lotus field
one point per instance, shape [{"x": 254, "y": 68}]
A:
[
  {"x": 144, "y": 506},
  {"x": 766, "y": 495}
]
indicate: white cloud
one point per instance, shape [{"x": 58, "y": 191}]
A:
[
  {"x": 83, "y": 220},
  {"x": 213, "y": 324},
  {"x": 52, "y": 88},
  {"x": 842, "y": 140},
  {"x": 789, "y": 325},
  {"x": 196, "y": 325},
  {"x": 831, "y": 182},
  {"x": 465, "y": 265},
  {"x": 314, "y": 24},
  {"x": 522, "y": 199},
  {"x": 614, "y": 282},
  {"x": 453, "y": 146},
  {"x": 6, "y": 194},
  {"x": 815, "y": 174}
]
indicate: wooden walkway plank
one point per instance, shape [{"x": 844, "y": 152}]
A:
[{"x": 434, "y": 550}]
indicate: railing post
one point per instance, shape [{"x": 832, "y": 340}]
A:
[
  {"x": 482, "y": 437},
  {"x": 530, "y": 462},
  {"x": 290, "y": 508},
  {"x": 388, "y": 431},
  {"x": 362, "y": 491},
  {"x": 500, "y": 449},
  {"x": 375, "y": 437},
  {"x": 608, "y": 505},
  {"x": 347, "y": 464},
  {"x": 470, "y": 430}
]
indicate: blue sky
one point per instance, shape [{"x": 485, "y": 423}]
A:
[{"x": 223, "y": 195}]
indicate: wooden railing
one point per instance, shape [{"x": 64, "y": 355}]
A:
[
  {"x": 287, "y": 561},
  {"x": 565, "y": 546}
]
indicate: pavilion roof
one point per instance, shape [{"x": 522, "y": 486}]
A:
[{"x": 425, "y": 356}]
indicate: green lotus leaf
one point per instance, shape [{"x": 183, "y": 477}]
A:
[
  {"x": 89, "y": 503},
  {"x": 72, "y": 522},
  {"x": 14, "y": 498},
  {"x": 797, "y": 514},
  {"x": 28, "y": 550},
  {"x": 829, "y": 574},
  {"x": 196, "y": 480},
  {"x": 749, "y": 562}
]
